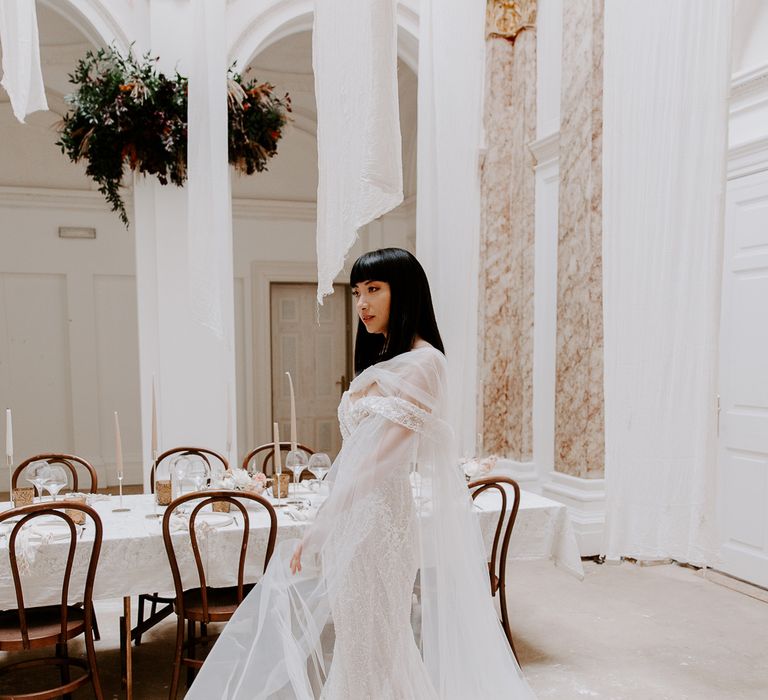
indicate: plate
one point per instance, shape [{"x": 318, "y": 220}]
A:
[{"x": 214, "y": 518}]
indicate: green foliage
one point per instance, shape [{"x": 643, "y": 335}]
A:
[{"x": 125, "y": 112}]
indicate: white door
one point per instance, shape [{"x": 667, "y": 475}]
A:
[
  {"x": 316, "y": 355},
  {"x": 743, "y": 463}
]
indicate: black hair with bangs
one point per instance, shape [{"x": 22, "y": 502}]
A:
[{"x": 410, "y": 311}]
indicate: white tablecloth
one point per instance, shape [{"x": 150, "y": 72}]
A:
[{"x": 133, "y": 558}]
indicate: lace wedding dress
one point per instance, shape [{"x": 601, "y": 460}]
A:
[{"x": 341, "y": 629}]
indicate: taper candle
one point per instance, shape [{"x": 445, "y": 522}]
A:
[
  {"x": 229, "y": 422},
  {"x": 8, "y": 434},
  {"x": 118, "y": 448},
  {"x": 278, "y": 465},
  {"x": 294, "y": 440},
  {"x": 154, "y": 420}
]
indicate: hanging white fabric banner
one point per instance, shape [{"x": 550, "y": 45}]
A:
[
  {"x": 22, "y": 75},
  {"x": 667, "y": 72},
  {"x": 209, "y": 203},
  {"x": 451, "y": 83},
  {"x": 360, "y": 172}
]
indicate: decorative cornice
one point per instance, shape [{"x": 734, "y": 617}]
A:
[
  {"x": 505, "y": 19},
  {"x": 547, "y": 149},
  {"x": 749, "y": 82}
]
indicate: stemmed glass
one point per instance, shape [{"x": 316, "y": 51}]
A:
[
  {"x": 34, "y": 475},
  {"x": 55, "y": 478},
  {"x": 296, "y": 461},
  {"x": 319, "y": 465},
  {"x": 179, "y": 470},
  {"x": 198, "y": 472}
]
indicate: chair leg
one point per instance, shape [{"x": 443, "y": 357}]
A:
[
  {"x": 192, "y": 642},
  {"x": 93, "y": 669},
  {"x": 95, "y": 624},
  {"x": 139, "y": 620},
  {"x": 177, "y": 658},
  {"x": 505, "y": 618},
  {"x": 62, "y": 653}
]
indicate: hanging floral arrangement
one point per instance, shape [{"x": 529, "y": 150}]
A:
[{"x": 125, "y": 112}]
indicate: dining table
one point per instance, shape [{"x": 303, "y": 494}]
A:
[{"x": 133, "y": 559}]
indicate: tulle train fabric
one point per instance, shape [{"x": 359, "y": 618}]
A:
[{"x": 341, "y": 629}]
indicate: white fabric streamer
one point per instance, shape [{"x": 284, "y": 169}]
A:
[
  {"x": 209, "y": 204},
  {"x": 22, "y": 75},
  {"x": 359, "y": 152},
  {"x": 667, "y": 71},
  {"x": 451, "y": 70}
]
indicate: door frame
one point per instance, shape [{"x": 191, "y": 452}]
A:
[{"x": 263, "y": 274}]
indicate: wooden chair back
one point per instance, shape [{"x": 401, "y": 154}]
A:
[
  {"x": 70, "y": 462},
  {"x": 263, "y": 457},
  {"x": 234, "y": 498},
  {"x": 497, "y": 566},
  {"x": 27, "y": 514},
  {"x": 210, "y": 456}
]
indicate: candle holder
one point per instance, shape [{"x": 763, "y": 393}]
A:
[
  {"x": 23, "y": 496},
  {"x": 280, "y": 483},
  {"x": 120, "y": 508}
]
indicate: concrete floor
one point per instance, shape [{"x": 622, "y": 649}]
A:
[{"x": 625, "y": 632}]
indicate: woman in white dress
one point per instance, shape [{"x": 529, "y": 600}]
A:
[{"x": 331, "y": 617}]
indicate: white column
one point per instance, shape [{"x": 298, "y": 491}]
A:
[{"x": 192, "y": 365}]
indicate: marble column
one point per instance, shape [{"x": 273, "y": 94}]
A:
[
  {"x": 507, "y": 233},
  {"x": 579, "y": 417}
]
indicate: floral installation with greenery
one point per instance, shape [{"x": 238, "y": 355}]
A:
[{"x": 125, "y": 112}]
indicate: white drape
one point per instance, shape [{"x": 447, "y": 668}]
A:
[
  {"x": 209, "y": 203},
  {"x": 22, "y": 75},
  {"x": 354, "y": 55},
  {"x": 450, "y": 97},
  {"x": 665, "y": 128}
]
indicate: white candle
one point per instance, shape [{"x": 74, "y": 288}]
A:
[
  {"x": 278, "y": 461},
  {"x": 294, "y": 440},
  {"x": 8, "y": 435},
  {"x": 229, "y": 422},
  {"x": 154, "y": 421},
  {"x": 118, "y": 449},
  {"x": 9, "y": 449}
]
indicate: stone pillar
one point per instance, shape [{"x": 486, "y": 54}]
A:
[
  {"x": 193, "y": 367},
  {"x": 579, "y": 418},
  {"x": 507, "y": 233}
]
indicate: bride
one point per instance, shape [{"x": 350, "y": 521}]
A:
[{"x": 331, "y": 617}]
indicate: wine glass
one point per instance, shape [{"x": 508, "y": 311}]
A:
[
  {"x": 179, "y": 470},
  {"x": 35, "y": 476},
  {"x": 319, "y": 465},
  {"x": 296, "y": 461},
  {"x": 198, "y": 472},
  {"x": 55, "y": 478}
]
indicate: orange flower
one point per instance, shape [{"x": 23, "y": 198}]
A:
[{"x": 126, "y": 88}]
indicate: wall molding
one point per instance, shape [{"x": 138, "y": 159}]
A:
[
  {"x": 585, "y": 499},
  {"x": 749, "y": 82},
  {"x": 748, "y": 158},
  {"x": 91, "y": 200},
  {"x": 546, "y": 149}
]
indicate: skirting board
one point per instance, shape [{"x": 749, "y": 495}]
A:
[{"x": 585, "y": 499}]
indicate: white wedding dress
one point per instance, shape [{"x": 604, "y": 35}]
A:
[{"x": 341, "y": 629}]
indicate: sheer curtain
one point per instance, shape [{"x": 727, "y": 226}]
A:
[
  {"x": 360, "y": 171},
  {"x": 22, "y": 75},
  {"x": 667, "y": 69},
  {"x": 450, "y": 101}
]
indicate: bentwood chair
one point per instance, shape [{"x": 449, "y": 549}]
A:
[
  {"x": 71, "y": 462},
  {"x": 210, "y": 456},
  {"x": 156, "y": 599},
  {"x": 54, "y": 625},
  {"x": 497, "y": 567},
  {"x": 204, "y": 604},
  {"x": 262, "y": 459}
]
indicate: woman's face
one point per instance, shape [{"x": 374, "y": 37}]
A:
[{"x": 372, "y": 303}]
